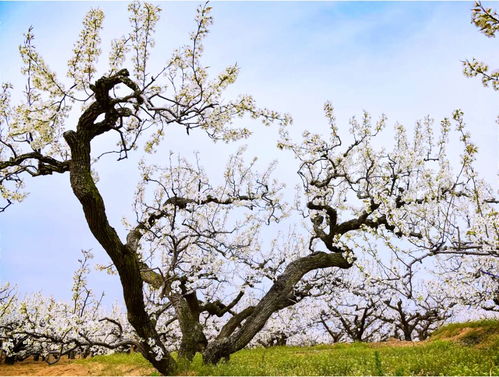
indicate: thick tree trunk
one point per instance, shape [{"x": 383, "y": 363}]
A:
[
  {"x": 408, "y": 334},
  {"x": 193, "y": 338},
  {"x": 358, "y": 337},
  {"x": 279, "y": 339},
  {"x": 273, "y": 301},
  {"x": 125, "y": 260}
]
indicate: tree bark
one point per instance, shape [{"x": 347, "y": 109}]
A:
[
  {"x": 271, "y": 302},
  {"x": 124, "y": 258},
  {"x": 188, "y": 311}
]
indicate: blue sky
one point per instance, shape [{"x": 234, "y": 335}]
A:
[{"x": 398, "y": 58}]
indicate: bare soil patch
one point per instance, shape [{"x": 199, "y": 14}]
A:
[{"x": 71, "y": 368}]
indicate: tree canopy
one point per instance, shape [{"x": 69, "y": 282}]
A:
[{"x": 197, "y": 255}]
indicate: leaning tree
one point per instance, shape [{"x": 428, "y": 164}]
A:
[
  {"x": 37, "y": 140},
  {"x": 194, "y": 241}
]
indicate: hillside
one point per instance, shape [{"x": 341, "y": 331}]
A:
[{"x": 482, "y": 334}]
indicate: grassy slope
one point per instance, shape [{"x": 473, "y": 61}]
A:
[
  {"x": 457, "y": 349},
  {"x": 482, "y": 334}
]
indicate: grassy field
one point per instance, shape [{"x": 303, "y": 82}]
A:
[
  {"x": 457, "y": 349},
  {"x": 434, "y": 358}
]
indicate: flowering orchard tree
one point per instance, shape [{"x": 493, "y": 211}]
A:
[
  {"x": 356, "y": 191},
  {"x": 41, "y": 326},
  {"x": 362, "y": 198},
  {"x": 36, "y": 139},
  {"x": 199, "y": 242},
  {"x": 193, "y": 259},
  {"x": 476, "y": 284},
  {"x": 415, "y": 312}
]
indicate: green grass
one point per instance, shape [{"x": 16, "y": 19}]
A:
[{"x": 437, "y": 356}]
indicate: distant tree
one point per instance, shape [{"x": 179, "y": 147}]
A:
[
  {"x": 358, "y": 321},
  {"x": 416, "y": 318},
  {"x": 40, "y": 326},
  {"x": 408, "y": 301},
  {"x": 351, "y": 309},
  {"x": 337, "y": 335},
  {"x": 194, "y": 242}
]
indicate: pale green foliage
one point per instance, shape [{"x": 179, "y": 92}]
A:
[
  {"x": 192, "y": 91},
  {"x": 32, "y": 127},
  {"x": 10, "y": 190},
  {"x": 475, "y": 68},
  {"x": 486, "y": 19}
]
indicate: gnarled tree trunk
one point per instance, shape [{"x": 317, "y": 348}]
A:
[
  {"x": 188, "y": 311},
  {"x": 123, "y": 255},
  {"x": 276, "y": 298}
]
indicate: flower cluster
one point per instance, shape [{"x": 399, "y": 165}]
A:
[{"x": 487, "y": 20}]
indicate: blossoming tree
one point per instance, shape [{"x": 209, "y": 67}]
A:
[
  {"x": 36, "y": 139},
  {"x": 40, "y": 326},
  {"x": 193, "y": 252}
]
